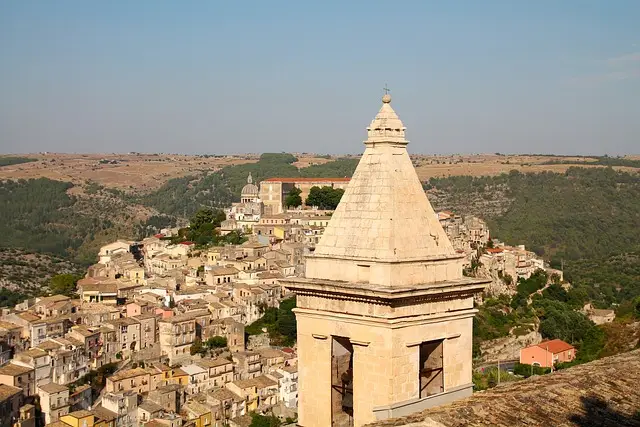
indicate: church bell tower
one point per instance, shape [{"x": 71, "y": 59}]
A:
[{"x": 384, "y": 313}]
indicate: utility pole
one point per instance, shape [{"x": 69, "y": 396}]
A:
[{"x": 498, "y": 369}]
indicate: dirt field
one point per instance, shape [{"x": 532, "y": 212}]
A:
[
  {"x": 131, "y": 172},
  {"x": 144, "y": 172},
  {"x": 490, "y": 164}
]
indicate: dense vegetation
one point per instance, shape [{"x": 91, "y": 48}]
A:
[
  {"x": 26, "y": 273},
  {"x": 586, "y": 220},
  {"x": 583, "y": 213},
  {"x": 9, "y": 160},
  {"x": 293, "y": 199},
  {"x": 203, "y": 230},
  {"x": 280, "y": 323},
  {"x": 324, "y": 197},
  {"x": 542, "y": 302},
  {"x": 39, "y": 215},
  {"x": 602, "y": 160}
]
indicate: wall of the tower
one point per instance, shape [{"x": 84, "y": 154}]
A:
[
  {"x": 386, "y": 356},
  {"x": 385, "y": 273}
]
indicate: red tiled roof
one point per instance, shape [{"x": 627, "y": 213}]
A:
[
  {"x": 555, "y": 346},
  {"x": 187, "y": 243},
  {"x": 494, "y": 250},
  {"x": 294, "y": 180},
  {"x": 158, "y": 236}
]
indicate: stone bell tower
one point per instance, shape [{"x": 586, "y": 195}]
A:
[{"x": 384, "y": 313}]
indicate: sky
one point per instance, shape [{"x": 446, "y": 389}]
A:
[{"x": 221, "y": 77}]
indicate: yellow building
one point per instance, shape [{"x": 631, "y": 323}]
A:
[
  {"x": 80, "y": 418},
  {"x": 198, "y": 413}
]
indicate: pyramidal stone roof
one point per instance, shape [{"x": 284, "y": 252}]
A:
[{"x": 384, "y": 214}]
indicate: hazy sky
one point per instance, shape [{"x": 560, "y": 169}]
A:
[{"x": 515, "y": 76}]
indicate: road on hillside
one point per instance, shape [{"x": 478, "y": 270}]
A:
[{"x": 505, "y": 365}]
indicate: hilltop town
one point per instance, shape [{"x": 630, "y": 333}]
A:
[
  {"x": 155, "y": 331},
  {"x": 193, "y": 325}
]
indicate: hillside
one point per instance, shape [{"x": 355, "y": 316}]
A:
[
  {"x": 23, "y": 272},
  {"x": 183, "y": 196},
  {"x": 582, "y": 213},
  {"x": 43, "y": 215}
]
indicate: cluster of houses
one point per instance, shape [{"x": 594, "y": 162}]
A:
[
  {"x": 142, "y": 309},
  {"x": 502, "y": 263},
  {"x": 145, "y": 306}
]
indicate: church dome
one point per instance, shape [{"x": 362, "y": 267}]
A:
[{"x": 250, "y": 190}]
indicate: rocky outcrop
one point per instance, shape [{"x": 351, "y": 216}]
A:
[
  {"x": 258, "y": 341},
  {"x": 508, "y": 348},
  {"x": 497, "y": 286}
]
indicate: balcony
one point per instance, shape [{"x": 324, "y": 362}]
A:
[{"x": 55, "y": 406}]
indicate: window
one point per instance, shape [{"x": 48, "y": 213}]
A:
[
  {"x": 363, "y": 273},
  {"x": 431, "y": 371}
]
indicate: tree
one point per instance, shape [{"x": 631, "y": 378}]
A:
[
  {"x": 264, "y": 421},
  {"x": 63, "y": 284},
  {"x": 325, "y": 197},
  {"x": 203, "y": 216},
  {"x": 217, "y": 342},
  {"x": 293, "y": 199},
  {"x": 197, "y": 348}
]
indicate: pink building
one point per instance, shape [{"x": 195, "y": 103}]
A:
[{"x": 547, "y": 353}]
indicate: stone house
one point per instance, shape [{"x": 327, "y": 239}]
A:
[
  {"x": 90, "y": 338},
  {"x": 147, "y": 329},
  {"x": 10, "y": 401},
  {"x": 124, "y": 405},
  {"x": 68, "y": 359},
  {"x": 170, "y": 397},
  {"x": 136, "y": 379},
  {"x": 54, "y": 401},
  {"x": 110, "y": 346},
  {"x": 220, "y": 370},
  {"x": 198, "y": 414},
  {"x": 228, "y": 328},
  {"x": 248, "y": 365},
  {"x": 19, "y": 376},
  {"x": 149, "y": 410},
  {"x": 82, "y": 418},
  {"x": 116, "y": 248},
  {"x": 12, "y": 334},
  {"x": 53, "y": 306},
  {"x": 198, "y": 379},
  {"x": 97, "y": 314},
  {"x": 271, "y": 359},
  {"x": 218, "y": 275},
  {"x": 81, "y": 398},
  {"x": 104, "y": 417},
  {"x": 176, "y": 335},
  {"x": 37, "y": 359},
  {"x": 128, "y": 334},
  {"x": 102, "y": 291},
  {"x": 259, "y": 392},
  {"x": 26, "y": 416},
  {"x": 225, "y": 404}
]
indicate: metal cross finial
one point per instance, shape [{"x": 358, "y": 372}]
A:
[{"x": 386, "y": 89}]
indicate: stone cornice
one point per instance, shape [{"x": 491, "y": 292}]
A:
[
  {"x": 373, "y": 294},
  {"x": 389, "y": 322}
]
